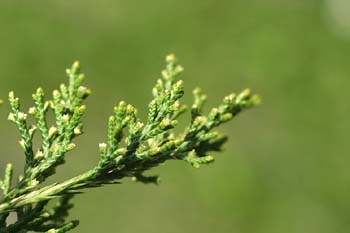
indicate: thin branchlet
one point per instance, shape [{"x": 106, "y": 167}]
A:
[{"x": 131, "y": 148}]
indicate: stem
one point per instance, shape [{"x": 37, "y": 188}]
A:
[{"x": 46, "y": 193}]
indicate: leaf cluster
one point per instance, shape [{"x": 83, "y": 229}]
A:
[{"x": 131, "y": 147}]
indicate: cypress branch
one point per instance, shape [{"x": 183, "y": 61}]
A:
[{"x": 131, "y": 148}]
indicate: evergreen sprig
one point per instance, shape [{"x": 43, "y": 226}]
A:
[{"x": 131, "y": 148}]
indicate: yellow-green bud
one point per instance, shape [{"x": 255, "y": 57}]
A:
[
  {"x": 80, "y": 77},
  {"x": 39, "y": 155},
  {"x": 226, "y": 117},
  {"x": 230, "y": 98},
  {"x": 171, "y": 58},
  {"x": 22, "y": 116},
  {"x": 56, "y": 148},
  {"x": 200, "y": 120},
  {"x": 179, "y": 85},
  {"x": 56, "y": 94},
  {"x": 154, "y": 91},
  {"x": 122, "y": 104},
  {"x": 121, "y": 151},
  {"x": 75, "y": 67},
  {"x": 40, "y": 91},
  {"x": 53, "y": 131},
  {"x": 209, "y": 158},
  {"x": 33, "y": 183},
  {"x": 32, "y": 129},
  {"x": 155, "y": 150},
  {"x": 102, "y": 147},
  {"x": 47, "y": 104},
  {"x": 165, "y": 123},
  {"x": 82, "y": 89},
  {"x": 213, "y": 113},
  {"x": 22, "y": 143},
  {"x": 192, "y": 154},
  {"x": 32, "y": 111},
  {"x": 11, "y": 117},
  {"x": 77, "y": 131},
  {"x": 179, "y": 69},
  {"x": 82, "y": 109},
  {"x": 11, "y": 95},
  {"x": 65, "y": 118},
  {"x": 165, "y": 74},
  {"x": 243, "y": 95},
  {"x": 70, "y": 146},
  {"x": 130, "y": 109}
]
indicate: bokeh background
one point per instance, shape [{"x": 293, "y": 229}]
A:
[{"x": 286, "y": 166}]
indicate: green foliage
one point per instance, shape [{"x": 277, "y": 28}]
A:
[{"x": 131, "y": 147}]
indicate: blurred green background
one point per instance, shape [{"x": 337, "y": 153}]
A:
[{"x": 286, "y": 166}]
